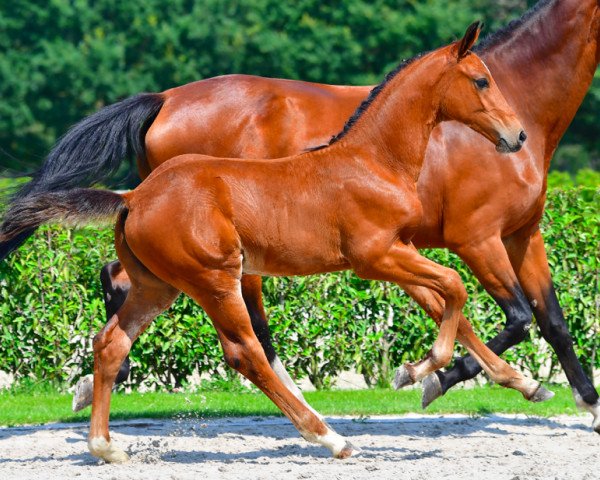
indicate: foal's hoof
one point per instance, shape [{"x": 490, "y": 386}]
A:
[
  {"x": 84, "y": 390},
  {"x": 432, "y": 390},
  {"x": 402, "y": 378},
  {"x": 107, "y": 451},
  {"x": 541, "y": 395},
  {"x": 348, "y": 451}
]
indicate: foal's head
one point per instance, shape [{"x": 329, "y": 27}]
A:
[{"x": 470, "y": 95}]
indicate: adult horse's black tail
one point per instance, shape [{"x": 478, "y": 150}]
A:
[{"x": 89, "y": 153}]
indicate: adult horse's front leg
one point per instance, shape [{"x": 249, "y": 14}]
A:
[
  {"x": 531, "y": 266},
  {"x": 491, "y": 265}
]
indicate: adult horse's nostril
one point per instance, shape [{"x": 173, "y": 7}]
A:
[{"x": 522, "y": 136}]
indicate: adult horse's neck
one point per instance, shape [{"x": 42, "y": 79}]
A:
[
  {"x": 397, "y": 123},
  {"x": 545, "y": 64}
]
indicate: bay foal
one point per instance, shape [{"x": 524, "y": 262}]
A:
[{"x": 197, "y": 223}]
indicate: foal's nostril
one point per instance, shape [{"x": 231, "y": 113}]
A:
[{"x": 522, "y": 136}]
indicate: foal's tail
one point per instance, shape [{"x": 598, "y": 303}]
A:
[
  {"x": 88, "y": 154},
  {"x": 80, "y": 206}
]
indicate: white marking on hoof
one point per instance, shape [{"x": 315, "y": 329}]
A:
[
  {"x": 84, "y": 392},
  {"x": 338, "y": 445},
  {"x": 541, "y": 395},
  {"x": 402, "y": 378},
  {"x": 432, "y": 390},
  {"x": 593, "y": 409},
  {"x": 107, "y": 451}
]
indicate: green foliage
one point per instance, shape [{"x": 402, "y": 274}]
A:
[
  {"x": 322, "y": 325},
  {"x": 64, "y": 59}
]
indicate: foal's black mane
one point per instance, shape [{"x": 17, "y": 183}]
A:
[
  {"x": 366, "y": 103},
  {"x": 489, "y": 42}
]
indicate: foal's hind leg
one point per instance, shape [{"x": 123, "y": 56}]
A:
[
  {"x": 220, "y": 296},
  {"x": 148, "y": 297}
]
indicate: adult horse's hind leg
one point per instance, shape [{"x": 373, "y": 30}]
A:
[
  {"x": 148, "y": 297},
  {"x": 220, "y": 296}
]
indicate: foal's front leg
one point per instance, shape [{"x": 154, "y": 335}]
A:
[
  {"x": 498, "y": 370},
  {"x": 403, "y": 265}
]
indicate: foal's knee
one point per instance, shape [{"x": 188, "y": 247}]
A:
[
  {"x": 441, "y": 356},
  {"x": 454, "y": 288}
]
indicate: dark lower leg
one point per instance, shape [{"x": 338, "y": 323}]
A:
[
  {"x": 531, "y": 266},
  {"x": 252, "y": 294},
  {"x": 115, "y": 287},
  {"x": 518, "y": 315},
  {"x": 554, "y": 330}
]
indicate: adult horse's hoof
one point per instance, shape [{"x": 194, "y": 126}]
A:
[
  {"x": 402, "y": 378},
  {"x": 348, "y": 451},
  {"x": 84, "y": 392},
  {"x": 107, "y": 451},
  {"x": 593, "y": 409},
  {"x": 541, "y": 395},
  {"x": 432, "y": 390}
]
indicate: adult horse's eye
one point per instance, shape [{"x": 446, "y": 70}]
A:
[{"x": 482, "y": 83}]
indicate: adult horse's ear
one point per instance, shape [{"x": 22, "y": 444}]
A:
[{"x": 469, "y": 39}]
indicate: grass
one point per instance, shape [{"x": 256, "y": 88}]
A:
[{"x": 27, "y": 406}]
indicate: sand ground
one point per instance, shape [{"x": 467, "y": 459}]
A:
[{"x": 412, "y": 447}]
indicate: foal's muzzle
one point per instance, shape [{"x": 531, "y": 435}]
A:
[{"x": 506, "y": 146}]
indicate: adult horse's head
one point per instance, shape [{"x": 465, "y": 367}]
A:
[{"x": 470, "y": 95}]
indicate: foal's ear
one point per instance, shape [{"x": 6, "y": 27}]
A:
[{"x": 469, "y": 39}]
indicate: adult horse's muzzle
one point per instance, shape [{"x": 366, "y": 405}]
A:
[{"x": 505, "y": 145}]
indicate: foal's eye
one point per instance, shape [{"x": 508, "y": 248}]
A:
[{"x": 482, "y": 83}]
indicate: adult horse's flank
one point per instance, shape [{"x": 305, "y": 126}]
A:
[{"x": 197, "y": 223}]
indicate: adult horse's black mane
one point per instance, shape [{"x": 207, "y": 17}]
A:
[
  {"x": 494, "y": 39},
  {"x": 489, "y": 42}
]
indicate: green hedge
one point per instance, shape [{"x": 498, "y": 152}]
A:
[{"x": 51, "y": 308}]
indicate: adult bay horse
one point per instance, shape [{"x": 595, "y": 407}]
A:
[
  {"x": 485, "y": 211},
  {"x": 198, "y": 223}
]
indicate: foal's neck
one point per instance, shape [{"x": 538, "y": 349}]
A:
[{"x": 398, "y": 124}]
